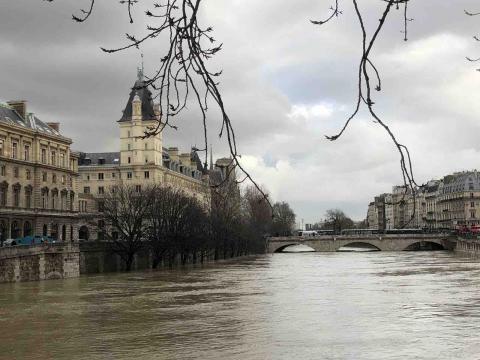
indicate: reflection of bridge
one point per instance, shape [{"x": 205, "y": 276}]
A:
[{"x": 389, "y": 242}]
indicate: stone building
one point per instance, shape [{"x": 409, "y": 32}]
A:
[
  {"x": 141, "y": 161},
  {"x": 458, "y": 200},
  {"x": 38, "y": 177}
]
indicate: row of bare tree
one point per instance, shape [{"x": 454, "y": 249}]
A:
[{"x": 178, "y": 228}]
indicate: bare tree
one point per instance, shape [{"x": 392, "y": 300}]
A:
[
  {"x": 336, "y": 220},
  {"x": 125, "y": 219},
  {"x": 177, "y": 225},
  {"x": 475, "y": 37},
  {"x": 283, "y": 219}
]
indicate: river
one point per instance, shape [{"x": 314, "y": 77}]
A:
[{"x": 378, "y": 305}]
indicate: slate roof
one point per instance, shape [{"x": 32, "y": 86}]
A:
[
  {"x": 10, "y": 116},
  {"x": 147, "y": 103},
  {"x": 109, "y": 158}
]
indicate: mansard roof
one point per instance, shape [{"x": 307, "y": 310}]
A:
[
  {"x": 145, "y": 96},
  {"x": 10, "y": 116},
  {"x": 105, "y": 158}
]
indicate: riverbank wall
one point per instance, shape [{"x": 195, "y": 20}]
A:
[
  {"x": 39, "y": 262},
  {"x": 470, "y": 247}
]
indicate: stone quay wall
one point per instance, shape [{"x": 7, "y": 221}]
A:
[
  {"x": 39, "y": 262},
  {"x": 468, "y": 247},
  {"x": 96, "y": 257}
]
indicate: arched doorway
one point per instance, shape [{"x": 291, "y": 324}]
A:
[
  {"x": 3, "y": 231},
  {"x": 83, "y": 233},
  {"x": 54, "y": 232},
  {"x": 14, "y": 230},
  {"x": 64, "y": 233},
  {"x": 27, "y": 228}
]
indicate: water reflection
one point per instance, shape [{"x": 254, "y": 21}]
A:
[{"x": 422, "y": 305}]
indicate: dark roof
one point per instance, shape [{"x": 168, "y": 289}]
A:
[
  {"x": 145, "y": 95},
  {"x": 10, "y": 116},
  {"x": 109, "y": 158},
  {"x": 196, "y": 159}
]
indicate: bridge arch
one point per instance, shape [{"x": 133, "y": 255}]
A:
[
  {"x": 284, "y": 246},
  {"x": 425, "y": 245},
  {"x": 359, "y": 245}
]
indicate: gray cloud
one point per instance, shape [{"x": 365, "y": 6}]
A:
[{"x": 286, "y": 84}]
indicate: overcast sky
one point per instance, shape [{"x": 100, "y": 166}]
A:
[{"x": 286, "y": 84}]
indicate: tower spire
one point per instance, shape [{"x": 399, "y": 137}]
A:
[{"x": 140, "y": 70}]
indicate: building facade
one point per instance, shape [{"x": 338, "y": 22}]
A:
[
  {"x": 449, "y": 203},
  {"x": 38, "y": 177},
  {"x": 141, "y": 161}
]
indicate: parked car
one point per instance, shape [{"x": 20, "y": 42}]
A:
[
  {"x": 9, "y": 242},
  {"x": 35, "y": 240}
]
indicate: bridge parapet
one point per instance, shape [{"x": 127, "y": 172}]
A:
[{"x": 385, "y": 242}]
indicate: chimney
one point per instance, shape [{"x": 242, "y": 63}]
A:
[
  {"x": 54, "y": 125},
  {"x": 20, "y": 106},
  {"x": 185, "y": 159},
  {"x": 173, "y": 153}
]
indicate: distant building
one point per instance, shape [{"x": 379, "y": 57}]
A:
[
  {"x": 38, "y": 177},
  {"x": 447, "y": 203}
]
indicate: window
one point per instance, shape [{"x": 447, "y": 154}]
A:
[
  {"x": 472, "y": 213},
  {"x": 53, "y": 156},
  {"x": 113, "y": 175},
  {"x": 63, "y": 180},
  {"x": 138, "y": 188},
  {"x": 44, "y": 176},
  {"x": 1, "y": 147},
  {"x": 44, "y": 156},
  {"x": 88, "y": 177},
  {"x": 54, "y": 178},
  {"x": 26, "y": 152},
  {"x": 16, "y": 196},
  {"x": 62, "y": 159},
  {"x": 28, "y": 198},
  {"x": 101, "y": 206},
  {"x": 146, "y": 146},
  {"x": 44, "y": 199},
  {"x": 129, "y": 175},
  {"x": 86, "y": 190},
  {"x": 100, "y": 176},
  {"x": 101, "y": 190},
  {"x": 129, "y": 147},
  {"x": 129, "y": 160},
  {"x": 472, "y": 204},
  {"x": 3, "y": 195},
  {"x": 28, "y": 174},
  {"x": 128, "y": 133},
  {"x": 3, "y": 170},
  {"x": 146, "y": 159},
  {"x": 15, "y": 172},
  {"x": 14, "y": 150},
  {"x": 147, "y": 174}
]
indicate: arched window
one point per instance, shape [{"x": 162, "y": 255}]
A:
[
  {"x": 3, "y": 231},
  {"x": 54, "y": 232},
  {"x": 83, "y": 233},
  {"x": 27, "y": 228},
  {"x": 14, "y": 230},
  {"x": 3, "y": 193}
]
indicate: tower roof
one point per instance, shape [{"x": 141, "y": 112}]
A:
[{"x": 139, "y": 88}]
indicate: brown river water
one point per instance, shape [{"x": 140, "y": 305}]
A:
[{"x": 375, "y": 305}]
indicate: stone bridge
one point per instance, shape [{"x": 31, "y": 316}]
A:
[{"x": 383, "y": 242}]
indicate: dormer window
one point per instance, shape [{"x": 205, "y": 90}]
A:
[{"x": 101, "y": 161}]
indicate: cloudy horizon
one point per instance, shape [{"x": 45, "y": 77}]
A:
[{"x": 286, "y": 85}]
